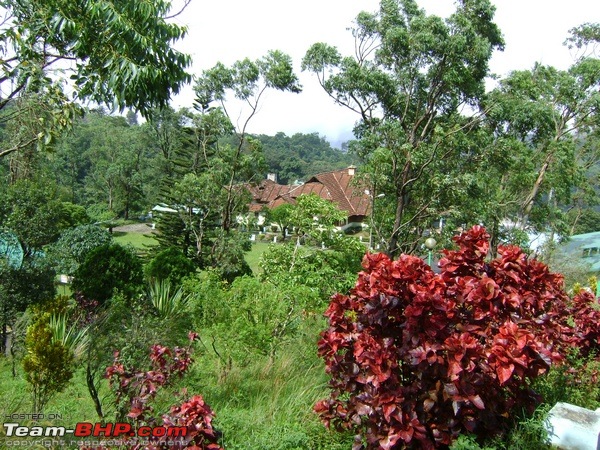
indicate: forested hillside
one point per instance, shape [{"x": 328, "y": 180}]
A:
[
  {"x": 301, "y": 155},
  {"x": 113, "y": 165}
]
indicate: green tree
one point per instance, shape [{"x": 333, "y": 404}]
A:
[
  {"x": 169, "y": 265},
  {"x": 546, "y": 116},
  {"x": 411, "y": 76},
  {"x": 282, "y": 216},
  {"x": 587, "y": 221},
  {"x": 74, "y": 244},
  {"x": 248, "y": 81},
  {"x": 111, "y": 61},
  {"x": 208, "y": 172},
  {"x": 166, "y": 135},
  {"x": 187, "y": 143},
  {"x": 323, "y": 271},
  {"x": 315, "y": 217},
  {"x": 48, "y": 363},
  {"x": 29, "y": 284},
  {"x": 301, "y": 155},
  {"x": 106, "y": 270},
  {"x": 22, "y": 122},
  {"x": 33, "y": 210},
  {"x": 52, "y": 344},
  {"x": 329, "y": 262},
  {"x": 107, "y": 164},
  {"x": 117, "y": 155},
  {"x": 69, "y": 162}
]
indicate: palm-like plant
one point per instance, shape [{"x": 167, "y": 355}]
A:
[
  {"x": 167, "y": 302},
  {"x": 72, "y": 337}
]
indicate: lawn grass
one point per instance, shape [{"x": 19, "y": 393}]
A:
[
  {"x": 142, "y": 242},
  {"x": 139, "y": 241},
  {"x": 253, "y": 256}
]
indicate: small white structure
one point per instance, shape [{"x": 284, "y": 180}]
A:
[
  {"x": 65, "y": 279},
  {"x": 571, "y": 427}
]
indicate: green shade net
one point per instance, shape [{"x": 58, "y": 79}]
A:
[{"x": 10, "y": 249}]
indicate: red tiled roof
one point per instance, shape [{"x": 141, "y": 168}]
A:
[{"x": 335, "y": 186}]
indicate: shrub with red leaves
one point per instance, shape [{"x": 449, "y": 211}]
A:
[
  {"x": 136, "y": 388},
  {"x": 196, "y": 416},
  {"x": 416, "y": 358}
]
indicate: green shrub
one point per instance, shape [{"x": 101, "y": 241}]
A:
[
  {"x": 107, "y": 269},
  {"x": 247, "y": 318},
  {"x": 74, "y": 245},
  {"x": 168, "y": 302},
  {"x": 170, "y": 264},
  {"x": 575, "y": 382},
  {"x": 48, "y": 363},
  {"x": 325, "y": 271}
]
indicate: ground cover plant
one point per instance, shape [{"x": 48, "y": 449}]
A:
[{"x": 418, "y": 358}]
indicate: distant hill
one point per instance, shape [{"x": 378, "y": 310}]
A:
[{"x": 299, "y": 156}]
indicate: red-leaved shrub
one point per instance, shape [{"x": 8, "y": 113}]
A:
[
  {"x": 135, "y": 389},
  {"x": 416, "y": 358}
]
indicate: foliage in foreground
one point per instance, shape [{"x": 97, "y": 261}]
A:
[
  {"x": 136, "y": 389},
  {"x": 418, "y": 358},
  {"x": 50, "y": 352}
]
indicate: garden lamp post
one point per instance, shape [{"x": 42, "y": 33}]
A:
[{"x": 430, "y": 244}]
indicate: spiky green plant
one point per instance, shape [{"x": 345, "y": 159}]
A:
[
  {"x": 71, "y": 337},
  {"x": 167, "y": 302}
]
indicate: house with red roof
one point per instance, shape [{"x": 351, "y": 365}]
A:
[{"x": 336, "y": 186}]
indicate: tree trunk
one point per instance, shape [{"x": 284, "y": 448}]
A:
[
  {"x": 494, "y": 238},
  {"x": 89, "y": 378},
  {"x": 401, "y": 201},
  {"x": 528, "y": 203},
  {"x": 4, "y": 340}
]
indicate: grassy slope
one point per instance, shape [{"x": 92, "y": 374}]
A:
[{"x": 266, "y": 404}]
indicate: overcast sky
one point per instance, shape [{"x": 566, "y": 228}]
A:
[{"x": 230, "y": 30}]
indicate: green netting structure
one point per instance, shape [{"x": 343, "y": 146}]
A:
[{"x": 11, "y": 251}]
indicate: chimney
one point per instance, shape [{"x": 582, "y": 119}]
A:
[
  {"x": 272, "y": 177},
  {"x": 351, "y": 170}
]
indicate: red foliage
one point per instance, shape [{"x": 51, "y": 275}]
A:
[
  {"x": 416, "y": 358},
  {"x": 87, "y": 310},
  {"x": 135, "y": 389},
  {"x": 197, "y": 417}
]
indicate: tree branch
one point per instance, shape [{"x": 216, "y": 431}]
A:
[
  {"x": 17, "y": 147},
  {"x": 185, "y": 5}
]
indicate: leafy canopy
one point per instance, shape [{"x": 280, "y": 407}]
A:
[
  {"x": 107, "y": 269},
  {"x": 410, "y": 77},
  {"x": 114, "y": 53}
]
